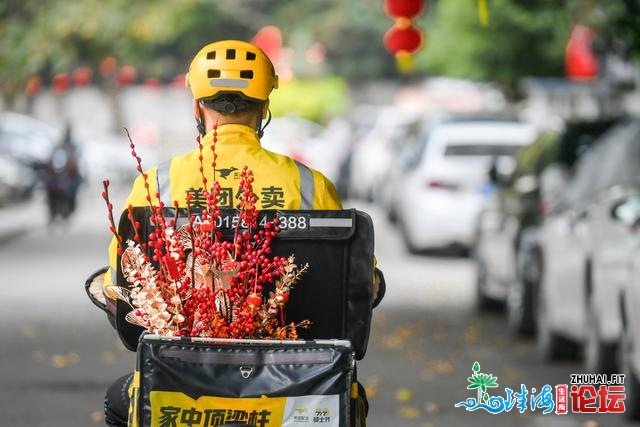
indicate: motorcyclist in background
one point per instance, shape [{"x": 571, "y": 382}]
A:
[
  {"x": 61, "y": 178},
  {"x": 230, "y": 81}
]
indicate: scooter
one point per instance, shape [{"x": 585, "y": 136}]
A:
[{"x": 194, "y": 381}]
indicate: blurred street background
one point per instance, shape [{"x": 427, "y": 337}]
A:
[{"x": 496, "y": 145}]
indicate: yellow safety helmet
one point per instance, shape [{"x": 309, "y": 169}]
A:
[{"x": 231, "y": 66}]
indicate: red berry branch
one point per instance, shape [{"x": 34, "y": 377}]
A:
[{"x": 187, "y": 280}]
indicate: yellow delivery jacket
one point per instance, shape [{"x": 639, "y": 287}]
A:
[{"x": 279, "y": 181}]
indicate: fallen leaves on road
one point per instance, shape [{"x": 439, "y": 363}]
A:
[
  {"x": 371, "y": 386},
  {"x": 471, "y": 334},
  {"x": 108, "y": 357},
  {"x": 56, "y": 360},
  {"x": 501, "y": 342},
  {"x": 409, "y": 412},
  {"x": 442, "y": 367},
  {"x": 97, "y": 417},
  {"x": 512, "y": 374},
  {"x": 404, "y": 395},
  {"x": 432, "y": 408},
  {"x": 28, "y": 332},
  {"x": 436, "y": 367},
  {"x": 64, "y": 360},
  {"x": 399, "y": 337}
]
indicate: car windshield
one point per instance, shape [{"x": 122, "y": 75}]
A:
[{"x": 481, "y": 150}]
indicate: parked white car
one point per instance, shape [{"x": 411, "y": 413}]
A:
[
  {"x": 585, "y": 254},
  {"x": 627, "y": 213},
  {"x": 26, "y": 138},
  {"x": 505, "y": 249},
  {"x": 322, "y": 148},
  {"x": 16, "y": 180},
  {"x": 371, "y": 156},
  {"x": 441, "y": 194}
]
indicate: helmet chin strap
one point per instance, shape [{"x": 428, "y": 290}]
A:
[
  {"x": 200, "y": 122},
  {"x": 261, "y": 127}
]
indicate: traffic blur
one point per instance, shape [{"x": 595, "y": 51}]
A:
[
  {"x": 545, "y": 204},
  {"x": 566, "y": 222}
]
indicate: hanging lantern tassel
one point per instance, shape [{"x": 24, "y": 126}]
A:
[
  {"x": 483, "y": 12},
  {"x": 404, "y": 62}
]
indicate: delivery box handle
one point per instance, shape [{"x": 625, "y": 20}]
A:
[{"x": 238, "y": 358}]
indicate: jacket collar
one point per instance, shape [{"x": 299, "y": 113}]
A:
[{"x": 232, "y": 134}]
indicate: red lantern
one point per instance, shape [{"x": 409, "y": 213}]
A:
[
  {"x": 152, "y": 83},
  {"x": 34, "y": 84},
  {"x": 269, "y": 39},
  {"x": 108, "y": 66},
  {"x": 403, "y": 8},
  {"x": 580, "y": 61},
  {"x": 406, "y": 40},
  {"x": 178, "y": 81},
  {"x": 126, "y": 75},
  {"x": 82, "y": 76},
  {"x": 60, "y": 83}
]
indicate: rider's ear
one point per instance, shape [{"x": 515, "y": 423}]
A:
[{"x": 265, "y": 109}]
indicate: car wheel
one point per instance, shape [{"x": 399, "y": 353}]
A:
[
  {"x": 551, "y": 346},
  {"x": 392, "y": 215},
  {"x": 411, "y": 248},
  {"x": 599, "y": 358},
  {"x": 522, "y": 292},
  {"x": 520, "y": 311},
  {"x": 631, "y": 381},
  {"x": 483, "y": 302}
]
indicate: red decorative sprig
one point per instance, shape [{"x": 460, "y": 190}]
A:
[
  {"x": 112, "y": 224},
  {"x": 187, "y": 280}
]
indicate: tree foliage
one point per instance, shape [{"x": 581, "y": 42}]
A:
[{"x": 524, "y": 37}]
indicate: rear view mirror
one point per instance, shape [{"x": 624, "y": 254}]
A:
[
  {"x": 526, "y": 184},
  {"x": 627, "y": 210},
  {"x": 501, "y": 170}
]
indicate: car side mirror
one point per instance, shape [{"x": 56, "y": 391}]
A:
[
  {"x": 627, "y": 210},
  {"x": 526, "y": 184},
  {"x": 493, "y": 173},
  {"x": 501, "y": 171}
]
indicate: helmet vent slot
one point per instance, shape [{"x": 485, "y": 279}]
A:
[
  {"x": 212, "y": 74},
  {"x": 246, "y": 74},
  {"x": 231, "y": 54},
  {"x": 211, "y": 55},
  {"x": 251, "y": 56}
]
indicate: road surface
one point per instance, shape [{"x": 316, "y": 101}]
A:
[{"x": 59, "y": 354}]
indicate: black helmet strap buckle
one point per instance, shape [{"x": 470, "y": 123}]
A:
[{"x": 227, "y": 105}]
